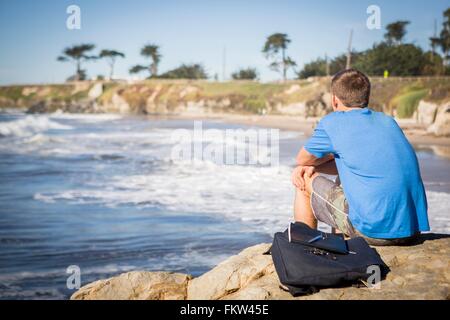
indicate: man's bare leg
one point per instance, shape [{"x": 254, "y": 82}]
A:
[
  {"x": 302, "y": 208},
  {"x": 302, "y": 204}
]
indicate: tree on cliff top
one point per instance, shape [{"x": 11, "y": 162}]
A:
[
  {"x": 401, "y": 60},
  {"x": 186, "y": 71},
  {"x": 276, "y": 43},
  {"x": 245, "y": 74},
  {"x": 111, "y": 55},
  {"x": 78, "y": 54},
  {"x": 395, "y": 32},
  {"x": 316, "y": 68},
  {"x": 150, "y": 51},
  {"x": 137, "y": 69}
]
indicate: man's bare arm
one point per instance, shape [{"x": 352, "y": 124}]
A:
[{"x": 304, "y": 158}]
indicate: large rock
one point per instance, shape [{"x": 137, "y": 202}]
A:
[
  {"x": 232, "y": 274},
  {"x": 426, "y": 112},
  {"x": 136, "y": 285},
  {"x": 417, "y": 272},
  {"x": 326, "y": 99},
  {"x": 441, "y": 126},
  {"x": 298, "y": 109},
  {"x": 421, "y": 271},
  {"x": 317, "y": 106},
  {"x": 50, "y": 105}
]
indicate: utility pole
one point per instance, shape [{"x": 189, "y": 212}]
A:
[
  {"x": 224, "y": 63},
  {"x": 349, "y": 51},
  {"x": 327, "y": 65},
  {"x": 433, "y": 46}
]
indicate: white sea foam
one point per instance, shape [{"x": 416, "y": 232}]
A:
[
  {"x": 42, "y": 139},
  {"x": 262, "y": 195},
  {"x": 30, "y": 125},
  {"x": 86, "y": 117},
  {"x": 258, "y": 194}
]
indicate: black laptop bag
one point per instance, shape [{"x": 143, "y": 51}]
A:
[{"x": 303, "y": 269}]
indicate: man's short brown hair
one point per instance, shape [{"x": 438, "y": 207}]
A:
[{"x": 352, "y": 87}]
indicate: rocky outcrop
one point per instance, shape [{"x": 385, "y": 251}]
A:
[
  {"x": 296, "y": 109},
  {"x": 137, "y": 285},
  {"x": 421, "y": 271},
  {"x": 433, "y": 118},
  {"x": 441, "y": 126},
  {"x": 50, "y": 105},
  {"x": 232, "y": 275},
  {"x": 316, "y": 106},
  {"x": 426, "y": 112}
]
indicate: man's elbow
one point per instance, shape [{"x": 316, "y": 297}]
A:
[
  {"x": 304, "y": 158},
  {"x": 301, "y": 161}
]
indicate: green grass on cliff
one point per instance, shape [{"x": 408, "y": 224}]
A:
[
  {"x": 406, "y": 103},
  {"x": 405, "y": 93},
  {"x": 250, "y": 96},
  {"x": 245, "y": 88},
  {"x": 43, "y": 92},
  {"x": 13, "y": 92}
]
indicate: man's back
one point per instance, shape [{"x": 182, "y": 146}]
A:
[{"x": 378, "y": 169}]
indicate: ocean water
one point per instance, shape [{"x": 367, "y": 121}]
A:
[{"x": 102, "y": 192}]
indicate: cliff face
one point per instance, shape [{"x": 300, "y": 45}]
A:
[
  {"x": 158, "y": 96},
  {"x": 419, "y": 99},
  {"x": 421, "y": 271},
  {"x": 301, "y": 97}
]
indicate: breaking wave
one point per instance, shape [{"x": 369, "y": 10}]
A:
[{"x": 30, "y": 125}]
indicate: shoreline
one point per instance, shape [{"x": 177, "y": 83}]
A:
[{"x": 416, "y": 134}]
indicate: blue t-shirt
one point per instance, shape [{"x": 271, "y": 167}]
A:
[{"x": 378, "y": 169}]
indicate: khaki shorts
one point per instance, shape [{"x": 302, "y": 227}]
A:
[{"x": 330, "y": 206}]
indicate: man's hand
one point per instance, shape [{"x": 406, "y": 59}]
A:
[{"x": 298, "y": 174}]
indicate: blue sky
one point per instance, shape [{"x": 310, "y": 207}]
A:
[{"x": 33, "y": 33}]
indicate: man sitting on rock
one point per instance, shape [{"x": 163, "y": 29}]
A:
[{"x": 382, "y": 196}]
